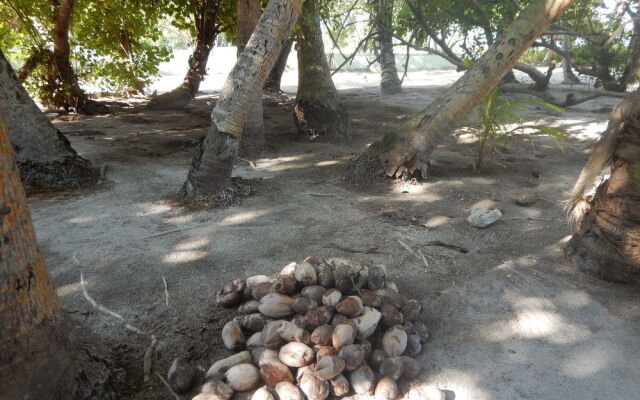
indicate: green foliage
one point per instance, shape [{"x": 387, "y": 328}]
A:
[{"x": 499, "y": 123}]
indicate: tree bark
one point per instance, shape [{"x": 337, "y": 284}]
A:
[
  {"x": 253, "y": 140},
  {"x": 38, "y": 348},
  {"x": 389, "y": 81},
  {"x": 210, "y": 172},
  {"x": 45, "y": 157},
  {"x": 71, "y": 94},
  {"x": 275, "y": 76},
  {"x": 206, "y": 21},
  {"x": 407, "y": 153},
  {"x": 318, "y": 113},
  {"x": 606, "y": 239},
  {"x": 568, "y": 77}
]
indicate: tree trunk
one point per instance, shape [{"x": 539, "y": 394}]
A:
[
  {"x": 606, "y": 239},
  {"x": 44, "y": 156},
  {"x": 70, "y": 92},
  {"x": 275, "y": 76},
  {"x": 407, "y": 153},
  {"x": 318, "y": 112},
  {"x": 540, "y": 80},
  {"x": 210, "y": 172},
  {"x": 389, "y": 81},
  {"x": 39, "y": 355},
  {"x": 253, "y": 140},
  {"x": 568, "y": 77},
  {"x": 206, "y": 33}
]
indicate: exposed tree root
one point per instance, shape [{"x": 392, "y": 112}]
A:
[
  {"x": 238, "y": 189},
  {"x": 319, "y": 122}
]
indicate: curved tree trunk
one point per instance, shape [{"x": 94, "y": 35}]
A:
[
  {"x": 253, "y": 140},
  {"x": 407, "y": 153},
  {"x": 318, "y": 112},
  {"x": 272, "y": 84},
  {"x": 45, "y": 157},
  {"x": 210, "y": 172},
  {"x": 389, "y": 81},
  {"x": 70, "y": 92},
  {"x": 606, "y": 239},
  {"x": 40, "y": 355},
  {"x": 206, "y": 33}
]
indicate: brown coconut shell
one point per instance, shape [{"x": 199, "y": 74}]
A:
[
  {"x": 296, "y": 354},
  {"x": 232, "y": 336},
  {"x": 351, "y": 306},
  {"x": 285, "y": 284},
  {"x": 322, "y": 335},
  {"x": 231, "y": 294},
  {"x": 353, "y": 356},
  {"x": 302, "y": 305}
]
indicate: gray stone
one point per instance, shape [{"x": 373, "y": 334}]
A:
[
  {"x": 526, "y": 199},
  {"x": 180, "y": 375},
  {"x": 483, "y": 217}
]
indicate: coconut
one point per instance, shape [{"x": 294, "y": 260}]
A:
[
  {"x": 337, "y": 319},
  {"x": 350, "y": 306},
  {"x": 314, "y": 292},
  {"x": 366, "y": 345},
  {"x": 232, "y": 336},
  {"x": 302, "y": 305},
  {"x": 411, "y": 309},
  {"x": 249, "y": 307},
  {"x": 272, "y": 369},
  {"x": 370, "y": 298},
  {"x": 411, "y": 367},
  {"x": 344, "y": 278},
  {"x": 367, "y": 322},
  {"x": 255, "y": 341},
  {"x": 252, "y": 282},
  {"x": 322, "y": 335},
  {"x": 285, "y": 284},
  {"x": 353, "y": 356},
  {"x": 262, "y": 289},
  {"x": 292, "y": 333},
  {"x": 339, "y": 386},
  {"x": 329, "y": 367},
  {"x": 331, "y": 297},
  {"x": 218, "y": 368},
  {"x": 289, "y": 269},
  {"x": 390, "y": 315},
  {"x": 389, "y": 296},
  {"x": 275, "y": 305},
  {"x": 317, "y": 317},
  {"x": 219, "y": 389},
  {"x": 296, "y": 354},
  {"x": 263, "y": 393},
  {"x": 344, "y": 334},
  {"x": 392, "y": 367},
  {"x": 422, "y": 330},
  {"x": 394, "y": 341},
  {"x": 231, "y": 294},
  {"x": 312, "y": 386},
  {"x": 270, "y": 336},
  {"x": 386, "y": 389},
  {"x": 414, "y": 347},
  {"x": 242, "y": 377},
  {"x": 377, "y": 278},
  {"x": 376, "y": 359},
  {"x": 325, "y": 276},
  {"x": 323, "y": 351},
  {"x": 288, "y": 391},
  {"x": 313, "y": 261},
  {"x": 363, "y": 380},
  {"x": 305, "y": 274},
  {"x": 252, "y": 322}
]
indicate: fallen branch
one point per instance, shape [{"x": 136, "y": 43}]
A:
[
  {"x": 437, "y": 243},
  {"x": 147, "y": 360},
  {"x": 166, "y": 291},
  {"x": 370, "y": 250},
  {"x": 570, "y": 99}
]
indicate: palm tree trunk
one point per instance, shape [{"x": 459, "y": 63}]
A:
[
  {"x": 318, "y": 112},
  {"x": 407, "y": 153},
  {"x": 606, "y": 239},
  {"x": 206, "y": 17},
  {"x": 44, "y": 156},
  {"x": 389, "y": 81},
  {"x": 38, "y": 349},
  {"x": 275, "y": 76},
  {"x": 210, "y": 172},
  {"x": 253, "y": 140}
]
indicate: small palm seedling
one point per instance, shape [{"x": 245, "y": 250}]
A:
[{"x": 499, "y": 122}]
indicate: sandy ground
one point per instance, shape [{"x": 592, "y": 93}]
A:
[{"x": 510, "y": 319}]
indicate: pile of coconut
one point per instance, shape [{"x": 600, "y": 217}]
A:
[{"x": 318, "y": 329}]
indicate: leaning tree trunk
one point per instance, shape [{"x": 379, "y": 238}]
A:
[
  {"x": 318, "y": 113},
  {"x": 210, "y": 172},
  {"x": 407, "y": 153},
  {"x": 568, "y": 77},
  {"x": 253, "y": 140},
  {"x": 272, "y": 84},
  {"x": 41, "y": 355},
  {"x": 206, "y": 32},
  {"x": 45, "y": 157},
  {"x": 606, "y": 239},
  {"x": 70, "y": 92},
  {"x": 389, "y": 81}
]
